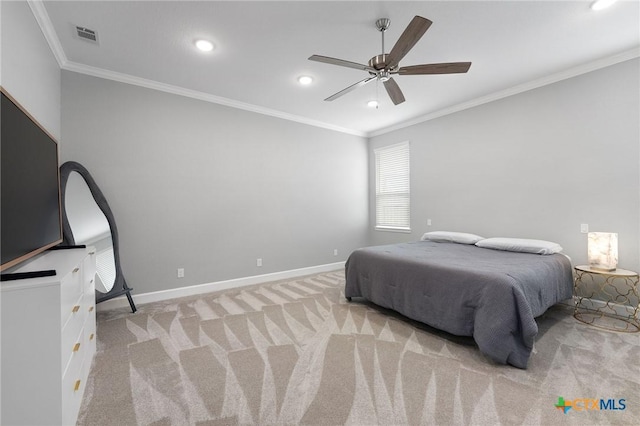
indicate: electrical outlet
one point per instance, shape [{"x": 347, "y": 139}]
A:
[
  {"x": 259, "y": 262},
  {"x": 428, "y": 222},
  {"x": 584, "y": 228},
  {"x": 335, "y": 252},
  {"x": 180, "y": 272}
]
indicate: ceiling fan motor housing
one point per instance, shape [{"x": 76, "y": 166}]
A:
[{"x": 378, "y": 62}]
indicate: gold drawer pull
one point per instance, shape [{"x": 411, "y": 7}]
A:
[
  {"x": 76, "y": 347},
  {"x": 90, "y": 308},
  {"x": 75, "y": 309},
  {"x": 91, "y": 337},
  {"x": 77, "y": 386},
  {"x": 76, "y": 270}
]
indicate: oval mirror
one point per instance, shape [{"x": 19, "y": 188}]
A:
[
  {"x": 87, "y": 220},
  {"x": 90, "y": 227}
]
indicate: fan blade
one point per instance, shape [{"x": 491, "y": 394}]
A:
[
  {"x": 414, "y": 31},
  {"x": 341, "y": 62},
  {"x": 350, "y": 88},
  {"x": 444, "y": 68},
  {"x": 394, "y": 91}
]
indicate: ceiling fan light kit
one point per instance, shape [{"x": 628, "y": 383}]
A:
[
  {"x": 305, "y": 80},
  {"x": 204, "y": 45},
  {"x": 382, "y": 66}
]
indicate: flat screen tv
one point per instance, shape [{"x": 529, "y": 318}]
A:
[{"x": 30, "y": 214}]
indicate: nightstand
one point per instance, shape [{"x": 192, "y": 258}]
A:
[{"x": 619, "y": 310}]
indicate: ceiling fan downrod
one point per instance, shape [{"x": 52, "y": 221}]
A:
[
  {"x": 379, "y": 62},
  {"x": 382, "y": 25}
]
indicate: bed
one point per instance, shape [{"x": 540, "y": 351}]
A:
[{"x": 466, "y": 290}]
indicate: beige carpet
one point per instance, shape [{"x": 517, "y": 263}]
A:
[{"x": 297, "y": 352}]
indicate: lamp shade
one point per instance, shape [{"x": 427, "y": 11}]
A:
[{"x": 602, "y": 250}]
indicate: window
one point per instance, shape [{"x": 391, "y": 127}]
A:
[{"x": 392, "y": 187}]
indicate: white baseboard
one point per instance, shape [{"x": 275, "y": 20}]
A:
[{"x": 156, "y": 296}]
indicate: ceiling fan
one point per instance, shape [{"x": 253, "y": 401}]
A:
[{"x": 382, "y": 66}]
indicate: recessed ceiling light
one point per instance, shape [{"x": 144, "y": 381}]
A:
[
  {"x": 305, "y": 80},
  {"x": 602, "y": 4},
  {"x": 372, "y": 104},
  {"x": 204, "y": 45}
]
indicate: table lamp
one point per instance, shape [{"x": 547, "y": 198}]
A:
[{"x": 602, "y": 251}]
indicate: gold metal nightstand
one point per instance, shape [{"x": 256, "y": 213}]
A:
[{"x": 619, "y": 312}]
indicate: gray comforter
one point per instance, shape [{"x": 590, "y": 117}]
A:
[{"x": 465, "y": 290}]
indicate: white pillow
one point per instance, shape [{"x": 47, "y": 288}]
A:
[
  {"x": 521, "y": 245},
  {"x": 451, "y": 237}
]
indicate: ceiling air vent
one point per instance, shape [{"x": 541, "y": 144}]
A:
[{"x": 87, "y": 34}]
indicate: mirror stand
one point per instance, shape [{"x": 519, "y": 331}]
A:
[{"x": 82, "y": 223}]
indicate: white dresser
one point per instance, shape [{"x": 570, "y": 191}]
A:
[{"x": 48, "y": 339}]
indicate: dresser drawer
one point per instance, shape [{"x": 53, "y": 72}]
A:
[
  {"x": 70, "y": 291},
  {"x": 90, "y": 321},
  {"x": 73, "y": 384},
  {"x": 89, "y": 297},
  {"x": 89, "y": 270},
  {"x": 89, "y": 344},
  {"x": 72, "y": 341}
]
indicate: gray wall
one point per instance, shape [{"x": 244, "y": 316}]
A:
[
  {"x": 210, "y": 188},
  {"x": 534, "y": 165},
  {"x": 29, "y": 71}
]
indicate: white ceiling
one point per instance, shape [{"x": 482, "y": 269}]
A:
[{"x": 262, "y": 47}]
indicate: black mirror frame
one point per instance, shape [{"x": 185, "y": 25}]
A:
[{"x": 120, "y": 285}]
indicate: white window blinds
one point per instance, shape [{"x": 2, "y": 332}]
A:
[{"x": 392, "y": 187}]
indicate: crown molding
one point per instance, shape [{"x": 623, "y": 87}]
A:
[
  {"x": 534, "y": 84},
  {"x": 553, "y": 78},
  {"x": 194, "y": 94},
  {"x": 46, "y": 26}
]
